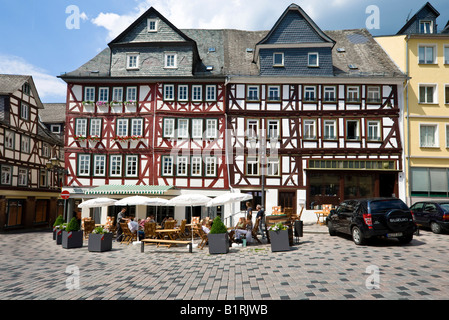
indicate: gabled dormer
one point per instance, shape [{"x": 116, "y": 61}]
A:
[
  {"x": 423, "y": 22},
  {"x": 153, "y": 47},
  {"x": 295, "y": 46}
]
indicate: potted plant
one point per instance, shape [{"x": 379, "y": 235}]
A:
[
  {"x": 218, "y": 237},
  {"x": 72, "y": 236},
  {"x": 58, "y": 222},
  {"x": 279, "y": 237},
  {"x": 100, "y": 240}
]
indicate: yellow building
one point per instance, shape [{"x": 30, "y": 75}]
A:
[{"x": 423, "y": 54}]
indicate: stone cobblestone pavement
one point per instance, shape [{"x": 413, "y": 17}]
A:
[{"x": 318, "y": 267}]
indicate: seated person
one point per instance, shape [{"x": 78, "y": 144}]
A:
[
  {"x": 205, "y": 227},
  {"x": 133, "y": 225},
  {"x": 247, "y": 232}
]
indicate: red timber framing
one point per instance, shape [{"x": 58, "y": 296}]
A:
[{"x": 151, "y": 145}]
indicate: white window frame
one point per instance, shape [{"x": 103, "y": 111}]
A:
[
  {"x": 273, "y": 166},
  {"x": 81, "y": 127},
  {"x": 196, "y": 167},
  {"x": 117, "y": 94},
  {"x": 182, "y": 166},
  {"x": 136, "y": 127},
  {"x": 122, "y": 127},
  {"x": 211, "y": 166},
  {"x": 169, "y": 127},
  {"x": 211, "y": 128},
  {"x": 276, "y": 62},
  {"x": 10, "y": 139},
  {"x": 446, "y": 94},
  {"x": 252, "y": 93},
  {"x": 149, "y": 25},
  {"x": 183, "y": 92},
  {"x": 132, "y": 61},
  {"x": 167, "y": 165},
  {"x": 329, "y": 94},
  {"x": 434, "y": 94},
  {"x": 426, "y": 144},
  {"x": 24, "y": 111},
  {"x": 131, "y": 94},
  {"x": 132, "y": 160},
  {"x": 211, "y": 93},
  {"x": 425, "y": 58},
  {"x": 169, "y": 92},
  {"x": 6, "y": 175},
  {"x": 197, "y": 93},
  {"x": 373, "y": 94},
  {"x": 310, "y": 91},
  {"x": 373, "y": 130},
  {"x": 89, "y": 94},
  {"x": 252, "y": 128},
  {"x": 95, "y": 127},
  {"x": 115, "y": 165},
  {"x": 425, "y": 30},
  {"x": 277, "y": 93},
  {"x": 253, "y": 163},
  {"x": 103, "y": 94},
  {"x": 197, "y": 128},
  {"x": 353, "y": 94},
  {"x": 170, "y": 60},
  {"x": 330, "y": 127},
  {"x": 99, "y": 165},
  {"x": 309, "y": 129},
  {"x": 447, "y": 135},
  {"x": 84, "y": 165},
  {"x": 183, "y": 128},
  {"x": 312, "y": 54},
  {"x": 25, "y": 144},
  {"x": 22, "y": 177},
  {"x": 273, "y": 126}
]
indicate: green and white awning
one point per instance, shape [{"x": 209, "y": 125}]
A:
[{"x": 128, "y": 190}]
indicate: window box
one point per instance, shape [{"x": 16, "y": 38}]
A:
[
  {"x": 102, "y": 103},
  {"x": 127, "y": 138}
]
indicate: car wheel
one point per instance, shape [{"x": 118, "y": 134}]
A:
[
  {"x": 406, "y": 239},
  {"x": 435, "y": 227},
  {"x": 357, "y": 236},
  {"x": 332, "y": 230}
]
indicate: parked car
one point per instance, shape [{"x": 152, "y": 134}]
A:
[
  {"x": 373, "y": 217},
  {"x": 433, "y": 214}
]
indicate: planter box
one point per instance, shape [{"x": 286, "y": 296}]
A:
[
  {"x": 58, "y": 236},
  {"x": 218, "y": 243},
  {"x": 279, "y": 240},
  {"x": 100, "y": 242},
  {"x": 73, "y": 239}
]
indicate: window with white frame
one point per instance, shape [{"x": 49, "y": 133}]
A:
[
  {"x": 45, "y": 150},
  {"x": 103, "y": 94},
  {"x": 43, "y": 178},
  {"x": 95, "y": 127},
  {"x": 152, "y": 25},
  {"x": 197, "y": 93},
  {"x": 6, "y": 178},
  {"x": 428, "y": 134},
  {"x": 309, "y": 128},
  {"x": 183, "y": 128},
  {"x": 89, "y": 94},
  {"x": 211, "y": 167},
  {"x": 196, "y": 166},
  {"x": 330, "y": 129},
  {"x": 169, "y": 128},
  {"x": 9, "y": 139},
  {"x": 447, "y": 135},
  {"x": 122, "y": 127},
  {"x": 273, "y": 166},
  {"x": 181, "y": 166},
  {"x": 310, "y": 93},
  {"x": 373, "y": 130},
  {"x": 169, "y": 92},
  {"x": 132, "y": 61},
  {"x": 117, "y": 94},
  {"x": 22, "y": 179},
  {"x": 84, "y": 165},
  {"x": 446, "y": 94},
  {"x": 131, "y": 94},
  {"x": 252, "y": 128},
  {"x": 137, "y": 127},
  {"x": 183, "y": 92},
  {"x": 329, "y": 94},
  {"x": 197, "y": 128},
  {"x": 55, "y": 128},
  {"x": 211, "y": 128},
  {"x": 81, "y": 127},
  {"x": 170, "y": 60},
  {"x": 274, "y": 93},
  {"x": 313, "y": 59},
  {"x": 427, "y": 54},
  {"x": 132, "y": 165},
  {"x": 353, "y": 94},
  {"x": 428, "y": 93},
  {"x": 115, "y": 166},
  {"x": 25, "y": 144},
  {"x": 425, "y": 26},
  {"x": 252, "y": 93},
  {"x": 273, "y": 129},
  {"x": 252, "y": 166},
  {"x": 167, "y": 165},
  {"x": 211, "y": 93},
  {"x": 278, "y": 59},
  {"x": 99, "y": 165},
  {"x": 352, "y": 130},
  {"x": 24, "y": 111},
  {"x": 373, "y": 94}
]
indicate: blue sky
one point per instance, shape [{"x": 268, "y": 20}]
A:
[{"x": 37, "y": 40}]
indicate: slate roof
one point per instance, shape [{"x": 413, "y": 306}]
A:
[
  {"x": 231, "y": 56},
  {"x": 53, "y": 113},
  {"x": 10, "y": 83}
]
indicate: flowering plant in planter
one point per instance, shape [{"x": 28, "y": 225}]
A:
[
  {"x": 277, "y": 227},
  {"x": 100, "y": 240},
  {"x": 100, "y": 230},
  {"x": 79, "y": 138},
  {"x": 127, "y": 138},
  {"x": 115, "y": 102},
  {"x": 88, "y": 102},
  {"x": 102, "y": 103}
]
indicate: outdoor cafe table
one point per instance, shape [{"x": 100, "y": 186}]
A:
[{"x": 169, "y": 232}]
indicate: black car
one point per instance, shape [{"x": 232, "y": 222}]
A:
[
  {"x": 374, "y": 217},
  {"x": 432, "y": 214}
]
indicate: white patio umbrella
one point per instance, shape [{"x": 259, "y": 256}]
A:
[
  {"x": 97, "y": 203},
  {"x": 142, "y": 201},
  {"x": 192, "y": 200},
  {"x": 229, "y": 197}
]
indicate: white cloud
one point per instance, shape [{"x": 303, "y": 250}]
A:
[{"x": 48, "y": 86}]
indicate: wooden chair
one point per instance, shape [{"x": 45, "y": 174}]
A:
[
  {"x": 182, "y": 228},
  {"x": 89, "y": 226},
  {"x": 203, "y": 236},
  {"x": 255, "y": 229},
  {"x": 128, "y": 236},
  {"x": 295, "y": 217},
  {"x": 150, "y": 230},
  {"x": 276, "y": 210},
  {"x": 195, "y": 220},
  {"x": 321, "y": 215},
  {"x": 288, "y": 212},
  {"x": 169, "y": 224}
]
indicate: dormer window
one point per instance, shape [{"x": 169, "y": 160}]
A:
[
  {"x": 278, "y": 59},
  {"x": 313, "y": 59},
  {"x": 152, "y": 25},
  {"x": 425, "y": 27}
]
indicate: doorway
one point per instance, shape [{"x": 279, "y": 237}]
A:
[
  {"x": 387, "y": 185},
  {"x": 287, "y": 199}
]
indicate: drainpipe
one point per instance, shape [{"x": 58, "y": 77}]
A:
[{"x": 408, "y": 176}]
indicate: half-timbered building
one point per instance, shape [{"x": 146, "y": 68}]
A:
[
  {"x": 148, "y": 111},
  {"x": 314, "y": 116},
  {"x": 31, "y": 171}
]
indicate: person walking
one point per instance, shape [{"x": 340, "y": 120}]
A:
[
  {"x": 261, "y": 215},
  {"x": 120, "y": 219}
]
